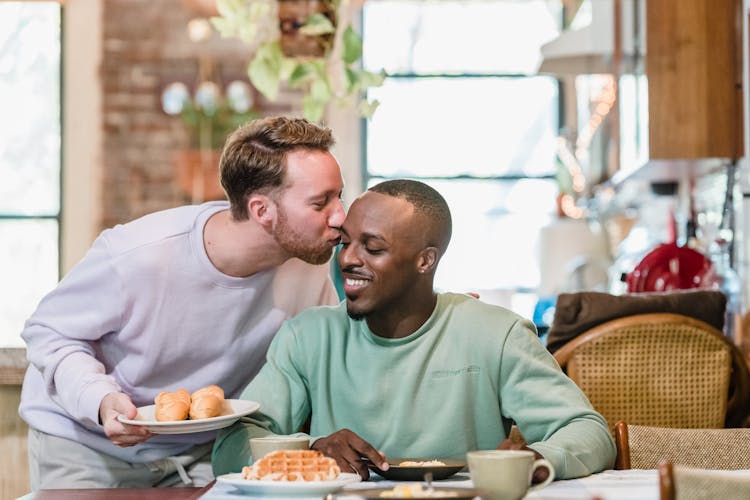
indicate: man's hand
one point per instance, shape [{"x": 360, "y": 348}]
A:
[
  {"x": 348, "y": 450},
  {"x": 541, "y": 473},
  {"x": 119, "y": 403}
]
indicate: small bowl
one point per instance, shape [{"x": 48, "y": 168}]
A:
[{"x": 398, "y": 472}]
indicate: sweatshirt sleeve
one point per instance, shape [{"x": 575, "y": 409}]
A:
[
  {"x": 86, "y": 305},
  {"x": 552, "y": 413},
  {"x": 282, "y": 393}
]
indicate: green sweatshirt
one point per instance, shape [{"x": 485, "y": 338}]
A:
[{"x": 452, "y": 386}]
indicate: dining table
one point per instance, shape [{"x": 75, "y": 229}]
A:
[
  {"x": 608, "y": 485},
  {"x": 632, "y": 484}
]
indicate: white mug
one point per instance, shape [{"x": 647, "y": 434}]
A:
[
  {"x": 506, "y": 474},
  {"x": 262, "y": 446}
]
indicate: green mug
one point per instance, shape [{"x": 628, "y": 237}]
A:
[{"x": 262, "y": 446}]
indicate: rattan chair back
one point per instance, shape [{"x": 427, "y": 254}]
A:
[
  {"x": 645, "y": 447},
  {"x": 659, "y": 369},
  {"x": 685, "y": 483}
]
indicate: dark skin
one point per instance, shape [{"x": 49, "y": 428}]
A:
[
  {"x": 541, "y": 473},
  {"x": 377, "y": 241},
  {"x": 388, "y": 260}
]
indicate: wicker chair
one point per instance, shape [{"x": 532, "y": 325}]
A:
[
  {"x": 657, "y": 369},
  {"x": 642, "y": 447},
  {"x": 685, "y": 483}
]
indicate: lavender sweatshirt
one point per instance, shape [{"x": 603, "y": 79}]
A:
[{"x": 146, "y": 311}]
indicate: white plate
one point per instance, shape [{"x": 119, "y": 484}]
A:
[
  {"x": 294, "y": 488},
  {"x": 233, "y": 410}
]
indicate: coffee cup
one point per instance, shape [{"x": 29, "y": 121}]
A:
[
  {"x": 506, "y": 474},
  {"x": 262, "y": 446}
]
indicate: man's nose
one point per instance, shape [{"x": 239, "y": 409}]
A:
[
  {"x": 336, "y": 219},
  {"x": 348, "y": 257}
]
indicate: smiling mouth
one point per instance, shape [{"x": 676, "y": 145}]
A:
[
  {"x": 355, "y": 283},
  {"x": 353, "y": 286}
]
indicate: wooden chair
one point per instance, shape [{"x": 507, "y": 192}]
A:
[
  {"x": 657, "y": 369},
  {"x": 643, "y": 447},
  {"x": 685, "y": 483}
]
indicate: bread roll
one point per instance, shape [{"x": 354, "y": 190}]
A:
[
  {"x": 207, "y": 402},
  {"x": 171, "y": 406}
]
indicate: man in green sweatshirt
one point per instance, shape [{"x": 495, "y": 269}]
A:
[{"x": 399, "y": 370}]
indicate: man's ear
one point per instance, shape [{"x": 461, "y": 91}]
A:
[
  {"x": 261, "y": 209},
  {"x": 428, "y": 259}
]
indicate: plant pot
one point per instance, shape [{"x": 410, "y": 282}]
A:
[
  {"x": 197, "y": 173},
  {"x": 292, "y": 15}
]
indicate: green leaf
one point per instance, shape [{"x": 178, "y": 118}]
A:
[
  {"x": 228, "y": 8},
  {"x": 318, "y": 66},
  {"x": 367, "y": 109},
  {"x": 247, "y": 32},
  {"x": 301, "y": 73},
  {"x": 288, "y": 67},
  {"x": 320, "y": 91},
  {"x": 317, "y": 24},
  {"x": 258, "y": 11},
  {"x": 264, "y": 70},
  {"x": 352, "y": 44},
  {"x": 312, "y": 109},
  {"x": 369, "y": 79},
  {"x": 352, "y": 79}
]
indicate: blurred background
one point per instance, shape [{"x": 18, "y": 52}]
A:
[{"x": 571, "y": 138}]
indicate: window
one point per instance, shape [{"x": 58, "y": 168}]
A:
[
  {"x": 29, "y": 160},
  {"x": 462, "y": 110}
]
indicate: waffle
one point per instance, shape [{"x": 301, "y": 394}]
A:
[{"x": 293, "y": 465}]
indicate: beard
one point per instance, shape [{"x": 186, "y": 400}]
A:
[
  {"x": 356, "y": 316},
  {"x": 295, "y": 245}
]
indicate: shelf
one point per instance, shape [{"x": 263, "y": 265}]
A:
[{"x": 670, "y": 170}]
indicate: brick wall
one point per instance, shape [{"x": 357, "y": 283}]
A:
[{"x": 145, "y": 47}]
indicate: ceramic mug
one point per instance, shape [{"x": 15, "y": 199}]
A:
[
  {"x": 506, "y": 474},
  {"x": 262, "y": 446}
]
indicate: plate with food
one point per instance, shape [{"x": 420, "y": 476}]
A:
[
  {"x": 417, "y": 490},
  {"x": 290, "y": 473},
  {"x": 287, "y": 488},
  {"x": 414, "y": 469},
  {"x": 180, "y": 412}
]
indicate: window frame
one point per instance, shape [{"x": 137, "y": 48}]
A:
[
  {"x": 13, "y": 360},
  {"x": 366, "y": 177}
]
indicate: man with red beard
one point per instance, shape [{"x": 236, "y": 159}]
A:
[
  {"x": 183, "y": 298},
  {"x": 400, "y": 370}
]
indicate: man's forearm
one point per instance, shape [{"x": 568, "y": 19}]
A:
[{"x": 580, "y": 448}]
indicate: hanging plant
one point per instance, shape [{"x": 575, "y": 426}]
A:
[{"x": 330, "y": 72}]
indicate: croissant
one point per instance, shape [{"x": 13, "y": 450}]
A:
[
  {"x": 172, "y": 406},
  {"x": 207, "y": 402}
]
